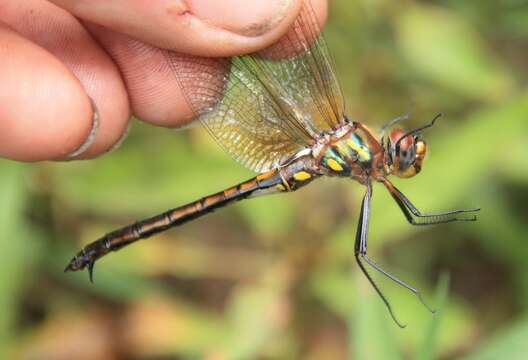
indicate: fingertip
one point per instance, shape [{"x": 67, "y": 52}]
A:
[
  {"x": 66, "y": 41},
  {"x": 44, "y": 111}
]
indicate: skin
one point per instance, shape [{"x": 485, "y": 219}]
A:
[{"x": 56, "y": 55}]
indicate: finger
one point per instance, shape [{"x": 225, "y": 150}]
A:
[
  {"x": 197, "y": 27},
  {"x": 39, "y": 120},
  {"x": 154, "y": 92},
  {"x": 62, "y": 35}
]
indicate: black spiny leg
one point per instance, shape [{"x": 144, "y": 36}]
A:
[
  {"x": 415, "y": 217},
  {"x": 360, "y": 248},
  {"x": 361, "y": 251}
]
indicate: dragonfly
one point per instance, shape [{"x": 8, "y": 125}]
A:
[{"x": 280, "y": 112}]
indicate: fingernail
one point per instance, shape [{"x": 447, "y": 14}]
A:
[
  {"x": 91, "y": 136},
  {"x": 244, "y": 17},
  {"x": 119, "y": 142}
]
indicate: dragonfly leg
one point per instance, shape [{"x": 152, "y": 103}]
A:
[
  {"x": 415, "y": 217},
  {"x": 361, "y": 253},
  {"x": 360, "y": 250},
  {"x": 416, "y": 292}
]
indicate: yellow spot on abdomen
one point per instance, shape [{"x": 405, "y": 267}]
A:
[
  {"x": 301, "y": 176},
  {"x": 334, "y": 165}
]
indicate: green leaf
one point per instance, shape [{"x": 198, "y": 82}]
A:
[
  {"x": 429, "y": 346},
  {"x": 371, "y": 332},
  {"x": 445, "y": 49},
  {"x": 257, "y": 314},
  {"x": 16, "y": 247},
  {"x": 508, "y": 344}
]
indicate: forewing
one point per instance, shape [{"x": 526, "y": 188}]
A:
[
  {"x": 301, "y": 62},
  {"x": 265, "y": 107}
]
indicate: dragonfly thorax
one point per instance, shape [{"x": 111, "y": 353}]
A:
[{"x": 354, "y": 153}]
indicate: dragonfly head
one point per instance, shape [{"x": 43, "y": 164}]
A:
[{"x": 404, "y": 153}]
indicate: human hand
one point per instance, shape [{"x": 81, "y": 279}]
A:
[{"x": 57, "y": 55}]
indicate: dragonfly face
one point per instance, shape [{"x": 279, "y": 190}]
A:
[{"x": 404, "y": 154}]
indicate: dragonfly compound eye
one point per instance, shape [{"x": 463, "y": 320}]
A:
[
  {"x": 411, "y": 158},
  {"x": 406, "y": 153}
]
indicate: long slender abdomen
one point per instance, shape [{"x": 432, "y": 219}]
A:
[{"x": 115, "y": 240}]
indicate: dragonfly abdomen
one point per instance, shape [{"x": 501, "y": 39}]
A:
[{"x": 278, "y": 180}]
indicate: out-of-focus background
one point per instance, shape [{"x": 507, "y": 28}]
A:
[{"x": 274, "y": 278}]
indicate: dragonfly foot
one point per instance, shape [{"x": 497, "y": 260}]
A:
[{"x": 431, "y": 309}]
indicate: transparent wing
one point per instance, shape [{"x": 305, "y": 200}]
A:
[
  {"x": 301, "y": 63},
  {"x": 264, "y": 107}
]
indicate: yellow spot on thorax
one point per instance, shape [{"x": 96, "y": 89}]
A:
[
  {"x": 280, "y": 187},
  {"x": 301, "y": 176},
  {"x": 363, "y": 154},
  {"x": 334, "y": 165},
  {"x": 342, "y": 149}
]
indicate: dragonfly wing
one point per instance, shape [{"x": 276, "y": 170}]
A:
[
  {"x": 237, "y": 111},
  {"x": 301, "y": 62},
  {"x": 264, "y": 107}
]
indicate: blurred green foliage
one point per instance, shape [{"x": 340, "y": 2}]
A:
[{"x": 274, "y": 278}]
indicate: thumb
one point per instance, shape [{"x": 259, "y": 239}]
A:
[{"x": 196, "y": 27}]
